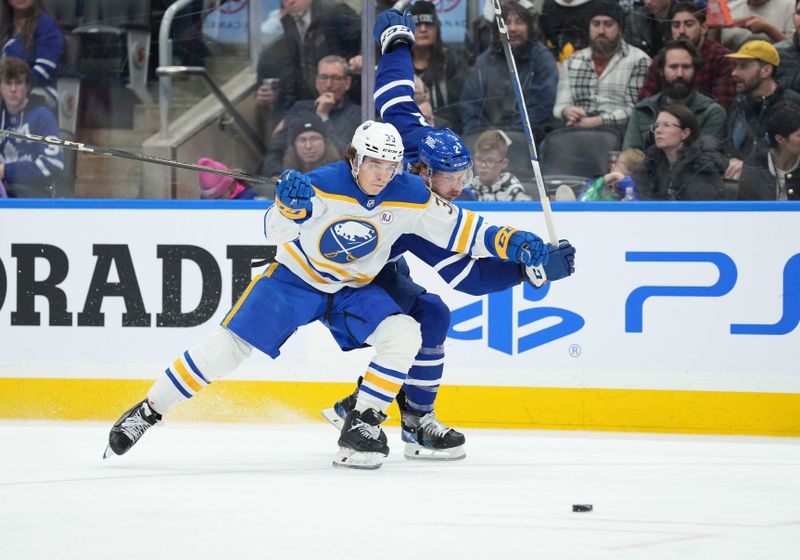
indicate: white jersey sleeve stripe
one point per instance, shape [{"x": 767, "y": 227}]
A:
[
  {"x": 49, "y": 62},
  {"x": 449, "y": 260},
  {"x": 390, "y": 85},
  {"x": 40, "y": 70},
  {"x": 461, "y": 275},
  {"x": 395, "y": 101}
]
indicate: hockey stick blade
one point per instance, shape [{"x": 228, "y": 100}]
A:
[{"x": 111, "y": 152}]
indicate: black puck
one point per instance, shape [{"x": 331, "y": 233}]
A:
[{"x": 581, "y": 507}]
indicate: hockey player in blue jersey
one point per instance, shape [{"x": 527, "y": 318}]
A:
[
  {"x": 444, "y": 162},
  {"x": 334, "y": 229}
]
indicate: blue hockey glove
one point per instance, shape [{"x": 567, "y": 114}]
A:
[
  {"x": 293, "y": 196},
  {"x": 522, "y": 247},
  {"x": 561, "y": 261},
  {"x": 392, "y": 27}
]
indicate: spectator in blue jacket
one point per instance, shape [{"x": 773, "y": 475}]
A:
[
  {"x": 28, "y": 169},
  {"x": 488, "y": 99},
  {"x": 28, "y": 32}
]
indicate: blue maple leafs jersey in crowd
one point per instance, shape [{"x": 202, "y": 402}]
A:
[
  {"x": 26, "y": 162},
  {"x": 349, "y": 236},
  {"x": 43, "y": 55},
  {"x": 394, "y": 100}
]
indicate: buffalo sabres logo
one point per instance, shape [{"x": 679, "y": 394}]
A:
[
  {"x": 347, "y": 240},
  {"x": 370, "y": 203}
]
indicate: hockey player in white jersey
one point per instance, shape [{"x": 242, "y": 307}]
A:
[
  {"x": 335, "y": 228},
  {"x": 444, "y": 162}
]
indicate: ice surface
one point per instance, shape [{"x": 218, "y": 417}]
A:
[{"x": 230, "y": 492}]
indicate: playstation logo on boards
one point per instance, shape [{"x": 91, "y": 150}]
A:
[{"x": 503, "y": 321}]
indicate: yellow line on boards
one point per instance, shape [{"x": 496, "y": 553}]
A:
[{"x": 619, "y": 410}]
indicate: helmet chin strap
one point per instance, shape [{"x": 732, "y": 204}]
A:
[{"x": 355, "y": 165}]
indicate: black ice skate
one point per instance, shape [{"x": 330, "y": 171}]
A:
[
  {"x": 338, "y": 412},
  {"x": 427, "y": 438},
  {"x": 130, "y": 427},
  {"x": 362, "y": 443}
]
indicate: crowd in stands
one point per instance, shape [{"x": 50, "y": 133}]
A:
[
  {"x": 710, "y": 106},
  {"x": 694, "y": 100}
]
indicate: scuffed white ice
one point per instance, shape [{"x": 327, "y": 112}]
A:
[{"x": 230, "y": 492}]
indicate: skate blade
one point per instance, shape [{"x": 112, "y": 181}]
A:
[
  {"x": 330, "y": 415},
  {"x": 108, "y": 452},
  {"x": 352, "y": 459},
  {"x": 415, "y": 452}
]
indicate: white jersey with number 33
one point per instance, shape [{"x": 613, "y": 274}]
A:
[{"x": 348, "y": 238}]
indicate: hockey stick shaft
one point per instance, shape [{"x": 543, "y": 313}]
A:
[
  {"x": 111, "y": 152},
  {"x": 526, "y": 123}
]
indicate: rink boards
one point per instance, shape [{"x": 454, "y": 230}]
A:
[{"x": 681, "y": 318}]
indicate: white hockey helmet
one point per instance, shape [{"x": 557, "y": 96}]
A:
[{"x": 377, "y": 140}]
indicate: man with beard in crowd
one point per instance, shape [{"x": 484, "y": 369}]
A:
[
  {"x": 758, "y": 92},
  {"x": 598, "y": 85},
  {"x": 714, "y": 77},
  {"x": 678, "y": 64}
]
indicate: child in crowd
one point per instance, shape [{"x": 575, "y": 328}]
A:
[
  {"x": 492, "y": 182},
  {"x": 220, "y": 186},
  {"x": 27, "y": 169},
  {"x": 618, "y": 183}
]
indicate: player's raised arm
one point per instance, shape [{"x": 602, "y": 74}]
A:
[{"x": 394, "y": 81}]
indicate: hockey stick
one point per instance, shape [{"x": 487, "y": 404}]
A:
[
  {"x": 526, "y": 123},
  {"x": 111, "y": 152}
]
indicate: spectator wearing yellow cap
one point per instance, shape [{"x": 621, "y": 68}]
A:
[{"x": 757, "y": 92}]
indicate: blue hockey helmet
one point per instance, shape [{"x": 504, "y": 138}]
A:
[{"x": 443, "y": 150}]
